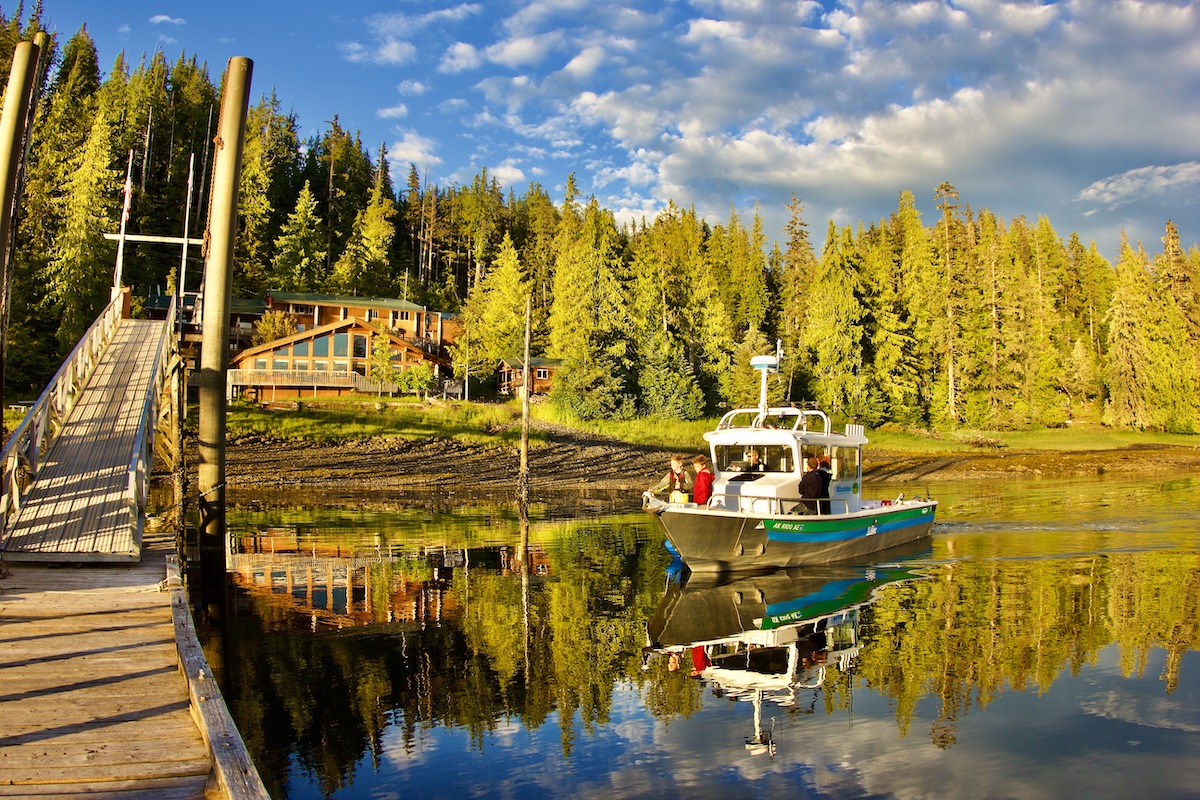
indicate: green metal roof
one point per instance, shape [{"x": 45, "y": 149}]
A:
[{"x": 342, "y": 300}]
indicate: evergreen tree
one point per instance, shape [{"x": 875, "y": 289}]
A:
[
  {"x": 363, "y": 267},
  {"x": 833, "y": 331},
  {"x": 1130, "y": 402},
  {"x": 299, "y": 262},
  {"x": 81, "y": 268},
  {"x": 493, "y": 316},
  {"x": 588, "y": 318}
]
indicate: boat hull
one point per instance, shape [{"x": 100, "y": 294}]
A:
[{"x": 716, "y": 540}]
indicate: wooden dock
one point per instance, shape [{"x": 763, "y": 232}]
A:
[
  {"x": 91, "y": 696},
  {"x": 77, "y": 508}
]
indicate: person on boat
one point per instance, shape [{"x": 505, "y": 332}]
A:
[
  {"x": 702, "y": 484},
  {"x": 754, "y": 462},
  {"x": 677, "y": 481},
  {"x": 826, "y": 477},
  {"x": 812, "y": 487}
]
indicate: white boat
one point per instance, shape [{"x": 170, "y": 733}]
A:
[{"x": 757, "y": 518}]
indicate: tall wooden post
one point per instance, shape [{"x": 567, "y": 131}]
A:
[
  {"x": 214, "y": 347},
  {"x": 523, "y": 474},
  {"x": 14, "y": 129}
]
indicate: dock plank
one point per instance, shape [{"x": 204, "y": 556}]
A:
[{"x": 90, "y": 685}]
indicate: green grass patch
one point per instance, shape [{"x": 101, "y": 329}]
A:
[
  {"x": 476, "y": 423},
  {"x": 662, "y": 433}
]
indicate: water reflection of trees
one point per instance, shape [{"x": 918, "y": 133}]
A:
[
  {"x": 981, "y": 626},
  {"x": 322, "y": 701}
]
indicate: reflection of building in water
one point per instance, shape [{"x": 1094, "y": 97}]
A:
[{"x": 357, "y": 590}]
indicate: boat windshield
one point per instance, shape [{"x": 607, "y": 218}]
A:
[{"x": 742, "y": 458}]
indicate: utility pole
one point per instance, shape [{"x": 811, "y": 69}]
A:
[{"x": 214, "y": 348}]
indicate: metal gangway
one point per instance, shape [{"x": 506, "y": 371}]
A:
[{"x": 76, "y": 470}]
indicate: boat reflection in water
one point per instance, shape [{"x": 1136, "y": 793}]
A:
[{"x": 768, "y": 638}]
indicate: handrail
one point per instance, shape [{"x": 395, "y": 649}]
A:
[
  {"x": 307, "y": 378},
  {"x": 775, "y": 504},
  {"x": 759, "y": 416},
  {"x": 233, "y": 772},
  {"x": 141, "y": 462},
  {"x": 22, "y": 454}
]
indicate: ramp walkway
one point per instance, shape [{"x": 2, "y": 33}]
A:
[{"x": 75, "y": 471}]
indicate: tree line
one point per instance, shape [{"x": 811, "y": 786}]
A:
[{"x": 967, "y": 319}]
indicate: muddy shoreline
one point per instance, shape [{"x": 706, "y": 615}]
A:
[{"x": 571, "y": 460}]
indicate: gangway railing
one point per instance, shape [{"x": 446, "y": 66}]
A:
[
  {"x": 22, "y": 454},
  {"x": 143, "y": 447}
]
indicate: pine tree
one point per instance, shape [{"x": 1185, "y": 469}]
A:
[
  {"x": 1130, "y": 403},
  {"x": 299, "y": 263},
  {"x": 833, "y": 331},
  {"x": 588, "y": 319},
  {"x": 81, "y": 268},
  {"x": 363, "y": 267},
  {"x": 493, "y": 316}
]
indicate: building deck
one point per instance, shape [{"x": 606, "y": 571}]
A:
[
  {"x": 90, "y": 688},
  {"x": 77, "y": 509}
]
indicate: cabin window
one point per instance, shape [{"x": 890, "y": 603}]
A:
[
  {"x": 844, "y": 464},
  {"x": 260, "y": 363},
  {"x": 341, "y": 345},
  {"x": 542, "y": 374},
  {"x": 281, "y": 353},
  {"x": 300, "y": 366},
  {"x": 404, "y": 316},
  {"x": 341, "y": 366},
  {"x": 279, "y": 364},
  {"x": 320, "y": 347},
  {"x": 737, "y": 458},
  {"x": 360, "y": 346},
  {"x": 320, "y": 366},
  {"x": 300, "y": 349}
]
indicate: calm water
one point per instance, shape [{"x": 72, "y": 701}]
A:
[{"x": 1044, "y": 644}]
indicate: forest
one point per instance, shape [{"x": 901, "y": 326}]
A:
[{"x": 966, "y": 320}]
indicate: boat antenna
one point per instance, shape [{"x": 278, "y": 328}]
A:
[{"x": 766, "y": 365}]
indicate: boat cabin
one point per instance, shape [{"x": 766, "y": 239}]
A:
[{"x": 760, "y": 456}]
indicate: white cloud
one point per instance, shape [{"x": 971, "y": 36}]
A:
[
  {"x": 508, "y": 173},
  {"x": 1138, "y": 184},
  {"x": 390, "y": 51},
  {"x": 393, "y": 112},
  {"x": 522, "y": 51},
  {"x": 459, "y": 57},
  {"x": 412, "y": 87},
  {"x": 586, "y": 63},
  {"x": 415, "y": 149},
  {"x": 159, "y": 19},
  {"x": 124, "y": 30}
]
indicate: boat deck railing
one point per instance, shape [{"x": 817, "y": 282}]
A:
[
  {"x": 777, "y": 505},
  {"x": 783, "y": 418}
]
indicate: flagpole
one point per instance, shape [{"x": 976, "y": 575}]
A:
[{"x": 121, "y": 236}]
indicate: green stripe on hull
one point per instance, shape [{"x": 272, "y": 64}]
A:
[{"x": 817, "y": 526}]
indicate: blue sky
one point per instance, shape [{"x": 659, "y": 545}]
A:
[{"x": 1085, "y": 111}]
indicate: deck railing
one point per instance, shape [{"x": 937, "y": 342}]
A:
[
  {"x": 307, "y": 379},
  {"x": 141, "y": 462},
  {"x": 22, "y": 455}
]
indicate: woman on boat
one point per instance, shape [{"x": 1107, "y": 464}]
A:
[{"x": 702, "y": 484}]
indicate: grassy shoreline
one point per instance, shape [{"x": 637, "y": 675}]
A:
[{"x": 351, "y": 419}]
